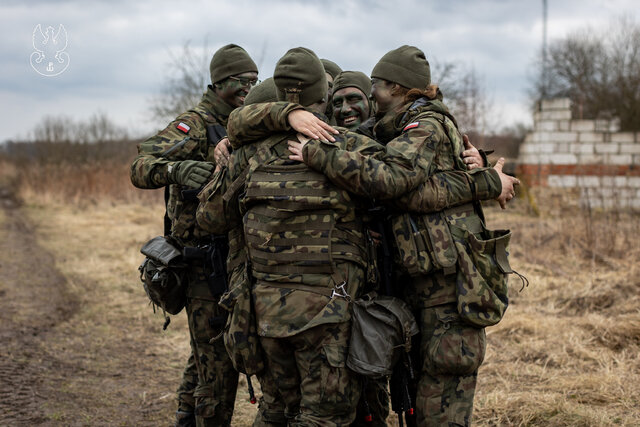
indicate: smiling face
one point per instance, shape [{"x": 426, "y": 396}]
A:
[
  {"x": 234, "y": 89},
  {"x": 350, "y": 107}
]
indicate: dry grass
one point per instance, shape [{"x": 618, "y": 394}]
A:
[{"x": 566, "y": 352}]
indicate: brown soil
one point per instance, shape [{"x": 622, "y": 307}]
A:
[{"x": 27, "y": 316}]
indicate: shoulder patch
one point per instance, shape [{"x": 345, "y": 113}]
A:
[
  {"x": 183, "y": 127},
  {"x": 411, "y": 126}
]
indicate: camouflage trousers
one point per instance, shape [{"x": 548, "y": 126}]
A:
[
  {"x": 217, "y": 381},
  {"x": 307, "y": 380},
  {"x": 450, "y": 352}
]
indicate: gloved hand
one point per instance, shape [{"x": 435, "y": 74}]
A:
[{"x": 191, "y": 173}]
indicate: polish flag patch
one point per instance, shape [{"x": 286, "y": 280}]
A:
[
  {"x": 411, "y": 126},
  {"x": 184, "y": 127}
]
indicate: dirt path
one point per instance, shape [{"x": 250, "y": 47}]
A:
[{"x": 33, "y": 300}]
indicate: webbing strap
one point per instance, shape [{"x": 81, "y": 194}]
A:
[
  {"x": 291, "y": 268},
  {"x": 273, "y": 176},
  {"x": 327, "y": 292},
  {"x": 252, "y": 191}
]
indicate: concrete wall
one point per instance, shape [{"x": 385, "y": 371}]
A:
[{"x": 592, "y": 155}]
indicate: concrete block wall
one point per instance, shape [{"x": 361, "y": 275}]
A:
[{"x": 592, "y": 155}]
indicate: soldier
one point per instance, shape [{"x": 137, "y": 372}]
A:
[
  {"x": 180, "y": 157},
  {"x": 305, "y": 246},
  {"x": 350, "y": 101},
  {"x": 423, "y": 138}
]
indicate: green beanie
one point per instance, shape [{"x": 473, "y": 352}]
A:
[
  {"x": 406, "y": 66},
  {"x": 353, "y": 79},
  {"x": 230, "y": 60},
  {"x": 331, "y": 67},
  {"x": 264, "y": 92},
  {"x": 299, "y": 77}
]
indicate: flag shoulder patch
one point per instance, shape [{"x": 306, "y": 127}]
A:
[
  {"x": 411, "y": 126},
  {"x": 183, "y": 127}
]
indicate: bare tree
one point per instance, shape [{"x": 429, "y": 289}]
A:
[
  {"x": 466, "y": 96},
  {"x": 188, "y": 76},
  {"x": 97, "y": 128},
  {"x": 599, "y": 70}
]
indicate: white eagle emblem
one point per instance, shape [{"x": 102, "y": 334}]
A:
[{"x": 49, "y": 58}]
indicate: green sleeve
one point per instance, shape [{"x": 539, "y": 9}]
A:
[
  {"x": 257, "y": 121},
  {"x": 400, "y": 167},
  {"x": 151, "y": 167},
  {"x": 451, "y": 188}
]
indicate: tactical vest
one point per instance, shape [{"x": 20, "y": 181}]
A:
[{"x": 297, "y": 224}]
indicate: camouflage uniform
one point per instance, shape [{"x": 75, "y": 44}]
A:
[
  {"x": 186, "y": 139},
  {"x": 304, "y": 238},
  {"x": 423, "y": 140}
]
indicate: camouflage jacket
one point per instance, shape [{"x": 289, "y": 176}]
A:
[
  {"x": 303, "y": 234},
  {"x": 423, "y": 140},
  {"x": 440, "y": 190},
  {"x": 185, "y": 138}
]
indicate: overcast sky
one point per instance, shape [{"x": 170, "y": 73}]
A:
[{"x": 118, "y": 51}]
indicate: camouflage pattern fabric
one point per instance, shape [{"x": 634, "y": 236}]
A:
[
  {"x": 217, "y": 379},
  {"x": 442, "y": 189},
  {"x": 186, "y": 401},
  {"x": 309, "y": 370},
  {"x": 185, "y": 138},
  {"x": 481, "y": 283},
  {"x": 450, "y": 353},
  {"x": 423, "y": 141},
  {"x": 302, "y": 235}
]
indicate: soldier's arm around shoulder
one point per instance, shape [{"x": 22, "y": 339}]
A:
[
  {"x": 254, "y": 122},
  {"x": 183, "y": 139},
  {"x": 400, "y": 167}
]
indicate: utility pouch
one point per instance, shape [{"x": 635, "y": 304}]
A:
[
  {"x": 381, "y": 330},
  {"x": 481, "y": 283},
  {"x": 163, "y": 274},
  {"x": 241, "y": 334},
  {"x": 411, "y": 244}
]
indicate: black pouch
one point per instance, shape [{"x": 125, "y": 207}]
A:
[{"x": 163, "y": 274}]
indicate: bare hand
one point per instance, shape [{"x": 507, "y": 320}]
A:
[
  {"x": 221, "y": 153},
  {"x": 309, "y": 125},
  {"x": 471, "y": 156},
  {"x": 296, "y": 147},
  {"x": 508, "y": 184}
]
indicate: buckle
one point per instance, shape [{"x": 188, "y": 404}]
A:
[{"x": 340, "y": 292}]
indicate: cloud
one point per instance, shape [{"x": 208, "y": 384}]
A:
[{"x": 119, "y": 50}]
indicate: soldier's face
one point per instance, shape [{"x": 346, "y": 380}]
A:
[
  {"x": 350, "y": 107},
  {"x": 330, "y": 85},
  {"x": 381, "y": 93},
  {"x": 234, "y": 89}
]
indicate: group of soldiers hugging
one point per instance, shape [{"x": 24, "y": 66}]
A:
[{"x": 327, "y": 236}]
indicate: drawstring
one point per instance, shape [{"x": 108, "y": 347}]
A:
[{"x": 252, "y": 394}]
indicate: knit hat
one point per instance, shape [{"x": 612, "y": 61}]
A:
[
  {"x": 406, "y": 66},
  {"x": 264, "y": 92},
  {"x": 353, "y": 79},
  {"x": 331, "y": 67},
  {"x": 299, "y": 77},
  {"x": 230, "y": 60}
]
